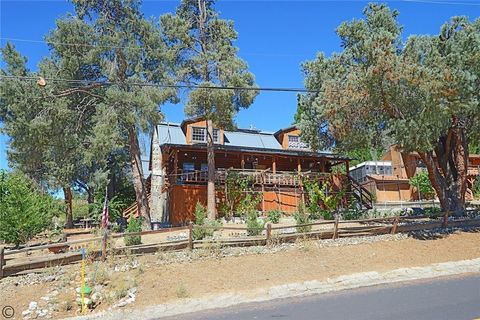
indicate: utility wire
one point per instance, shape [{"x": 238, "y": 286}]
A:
[
  {"x": 148, "y": 84},
  {"x": 75, "y": 44}
]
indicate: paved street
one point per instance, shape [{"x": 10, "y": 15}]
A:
[{"x": 449, "y": 299}]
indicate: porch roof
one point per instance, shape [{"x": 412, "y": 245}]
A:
[{"x": 278, "y": 152}]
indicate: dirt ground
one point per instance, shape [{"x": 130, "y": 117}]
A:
[{"x": 158, "y": 282}]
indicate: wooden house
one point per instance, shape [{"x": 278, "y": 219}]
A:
[
  {"x": 276, "y": 163},
  {"x": 388, "y": 179}
]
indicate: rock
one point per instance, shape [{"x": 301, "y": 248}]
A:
[
  {"x": 96, "y": 297},
  {"x": 54, "y": 293},
  {"x": 98, "y": 288},
  {"x": 26, "y": 312},
  {"x": 32, "y": 306},
  {"x": 133, "y": 290},
  {"x": 50, "y": 278},
  {"x": 42, "y": 313},
  {"x": 86, "y": 301},
  {"x": 46, "y": 298},
  {"x": 121, "y": 304}
]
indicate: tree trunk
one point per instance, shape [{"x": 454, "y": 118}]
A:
[
  {"x": 447, "y": 169},
  {"x": 90, "y": 200},
  {"x": 138, "y": 180},
  {"x": 211, "y": 173},
  {"x": 67, "y": 193}
]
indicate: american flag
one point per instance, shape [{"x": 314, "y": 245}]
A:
[{"x": 105, "y": 211}]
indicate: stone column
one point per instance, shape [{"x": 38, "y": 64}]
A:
[{"x": 159, "y": 204}]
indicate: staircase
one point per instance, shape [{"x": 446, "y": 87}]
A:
[
  {"x": 132, "y": 210},
  {"x": 361, "y": 194}
]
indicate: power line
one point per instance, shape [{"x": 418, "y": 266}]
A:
[
  {"x": 75, "y": 44},
  {"x": 147, "y": 84}
]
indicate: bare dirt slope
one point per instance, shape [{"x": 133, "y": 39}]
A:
[{"x": 165, "y": 276}]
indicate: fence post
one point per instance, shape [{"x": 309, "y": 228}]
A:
[
  {"x": 2, "y": 261},
  {"x": 104, "y": 244},
  {"x": 445, "y": 219},
  {"x": 190, "y": 235},
  {"x": 269, "y": 233},
  {"x": 335, "y": 227},
  {"x": 395, "y": 225}
]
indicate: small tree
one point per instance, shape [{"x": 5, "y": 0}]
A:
[
  {"x": 134, "y": 225},
  {"x": 302, "y": 216},
  {"x": 422, "y": 184},
  {"x": 203, "y": 227},
  {"x": 24, "y": 211}
]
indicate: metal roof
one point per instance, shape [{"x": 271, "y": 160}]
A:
[{"x": 242, "y": 140}]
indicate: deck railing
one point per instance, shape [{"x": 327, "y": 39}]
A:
[{"x": 267, "y": 177}]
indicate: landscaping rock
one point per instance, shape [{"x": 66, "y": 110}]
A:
[{"x": 32, "y": 306}]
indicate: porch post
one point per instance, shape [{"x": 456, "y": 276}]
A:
[
  {"x": 274, "y": 165},
  {"x": 242, "y": 161},
  {"x": 299, "y": 165}
]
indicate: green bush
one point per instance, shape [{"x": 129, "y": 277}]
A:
[
  {"x": 274, "y": 215},
  {"x": 421, "y": 182},
  {"x": 134, "y": 225},
  {"x": 203, "y": 228},
  {"x": 476, "y": 188},
  {"x": 302, "y": 216},
  {"x": 24, "y": 210},
  {"x": 254, "y": 224}
]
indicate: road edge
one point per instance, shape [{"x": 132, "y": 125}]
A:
[{"x": 307, "y": 288}]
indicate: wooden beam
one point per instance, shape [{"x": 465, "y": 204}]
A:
[
  {"x": 299, "y": 165},
  {"x": 242, "y": 161},
  {"x": 274, "y": 165}
]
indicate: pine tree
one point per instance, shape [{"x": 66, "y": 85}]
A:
[
  {"x": 208, "y": 58},
  {"x": 423, "y": 95}
]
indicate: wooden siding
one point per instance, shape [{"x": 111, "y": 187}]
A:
[
  {"x": 200, "y": 124},
  {"x": 183, "y": 199}
]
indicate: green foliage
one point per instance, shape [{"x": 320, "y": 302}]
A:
[
  {"x": 274, "y": 215},
  {"x": 134, "y": 225},
  {"x": 421, "y": 94},
  {"x": 302, "y": 216},
  {"x": 207, "y": 57},
  {"x": 322, "y": 193},
  {"x": 254, "y": 224},
  {"x": 203, "y": 227},
  {"x": 236, "y": 186},
  {"x": 421, "y": 182},
  {"x": 24, "y": 211},
  {"x": 476, "y": 187},
  {"x": 249, "y": 203}
]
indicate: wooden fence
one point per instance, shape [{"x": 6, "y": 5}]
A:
[{"x": 267, "y": 235}]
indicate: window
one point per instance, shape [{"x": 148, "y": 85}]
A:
[
  {"x": 200, "y": 134},
  {"x": 294, "y": 142}
]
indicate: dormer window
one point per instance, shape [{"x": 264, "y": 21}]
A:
[
  {"x": 199, "y": 134},
  {"x": 294, "y": 142}
]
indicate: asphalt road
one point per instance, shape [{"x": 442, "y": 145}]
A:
[{"x": 449, "y": 299}]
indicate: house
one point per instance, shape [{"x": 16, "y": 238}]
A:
[
  {"x": 388, "y": 179},
  {"x": 276, "y": 162}
]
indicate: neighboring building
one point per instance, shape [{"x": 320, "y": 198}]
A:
[
  {"x": 388, "y": 179},
  {"x": 178, "y": 164}
]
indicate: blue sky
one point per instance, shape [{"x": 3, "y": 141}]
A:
[{"x": 274, "y": 38}]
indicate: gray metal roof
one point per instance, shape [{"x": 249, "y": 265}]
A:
[
  {"x": 253, "y": 140},
  {"x": 172, "y": 133}
]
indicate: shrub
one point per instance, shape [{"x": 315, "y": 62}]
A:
[
  {"x": 254, "y": 224},
  {"x": 476, "y": 187},
  {"x": 203, "y": 227},
  {"x": 24, "y": 210},
  {"x": 421, "y": 182},
  {"x": 274, "y": 215},
  {"x": 134, "y": 225},
  {"x": 302, "y": 216}
]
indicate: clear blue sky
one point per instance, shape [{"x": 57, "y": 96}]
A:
[{"x": 274, "y": 38}]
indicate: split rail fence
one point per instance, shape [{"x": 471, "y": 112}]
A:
[{"x": 12, "y": 262}]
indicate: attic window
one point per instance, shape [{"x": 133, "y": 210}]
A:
[
  {"x": 294, "y": 142},
  {"x": 199, "y": 134}
]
